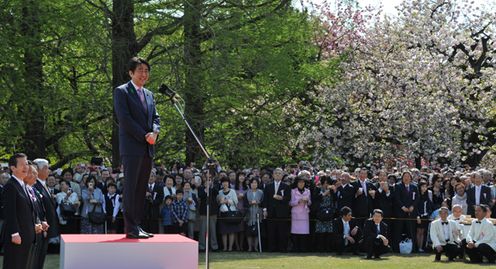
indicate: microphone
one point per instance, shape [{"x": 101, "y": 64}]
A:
[{"x": 164, "y": 89}]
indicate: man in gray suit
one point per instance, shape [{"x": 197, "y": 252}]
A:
[{"x": 139, "y": 125}]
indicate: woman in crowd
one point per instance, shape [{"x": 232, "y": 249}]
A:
[
  {"x": 325, "y": 199},
  {"x": 460, "y": 197},
  {"x": 253, "y": 199},
  {"x": 169, "y": 188},
  {"x": 93, "y": 201},
  {"x": 425, "y": 208},
  {"x": 240, "y": 187},
  {"x": 228, "y": 201},
  {"x": 192, "y": 201},
  {"x": 68, "y": 207},
  {"x": 300, "y": 220}
]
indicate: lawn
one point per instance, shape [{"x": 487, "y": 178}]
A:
[{"x": 239, "y": 260}]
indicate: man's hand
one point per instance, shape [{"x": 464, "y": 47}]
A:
[
  {"x": 439, "y": 248},
  {"x": 151, "y": 138},
  {"x": 38, "y": 228},
  {"x": 278, "y": 197},
  {"x": 470, "y": 245},
  {"x": 16, "y": 239},
  {"x": 410, "y": 209},
  {"x": 404, "y": 209},
  {"x": 354, "y": 231},
  {"x": 45, "y": 226},
  {"x": 350, "y": 239}
]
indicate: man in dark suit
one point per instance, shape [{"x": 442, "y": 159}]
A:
[
  {"x": 477, "y": 194},
  {"x": 363, "y": 205},
  {"x": 49, "y": 206},
  {"x": 154, "y": 197},
  {"x": 139, "y": 125},
  {"x": 376, "y": 235},
  {"x": 345, "y": 192},
  {"x": 405, "y": 200},
  {"x": 277, "y": 212},
  {"x": 19, "y": 232},
  {"x": 348, "y": 234},
  {"x": 384, "y": 198}
]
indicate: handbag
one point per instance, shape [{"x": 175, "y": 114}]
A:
[
  {"x": 233, "y": 217},
  {"x": 325, "y": 214},
  {"x": 67, "y": 209},
  {"x": 252, "y": 229},
  {"x": 96, "y": 217},
  {"x": 406, "y": 246}
]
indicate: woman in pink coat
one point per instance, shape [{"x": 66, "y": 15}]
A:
[{"x": 300, "y": 223}]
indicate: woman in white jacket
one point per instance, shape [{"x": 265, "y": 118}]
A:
[{"x": 460, "y": 197}]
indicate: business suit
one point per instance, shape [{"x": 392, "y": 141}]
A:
[
  {"x": 278, "y": 214},
  {"x": 37, "y": 254},
  {"x": 51, "y": 218},
  {"x": 483, "y": 235},
  {"x": 19, "y": 218},
  {"x": 363, "y": 205},
  {"x": 484, "y": 198},
  {"x": 342, "y": 244},
  {"x": 450, "y": 243},
  {"x": 152, "y": 207},
  {"x": 373, "y": 245},
  {"x": 137, "y": 155},
  {"x": 346, "y": 195},
  {"x": 404, "y": 197}
]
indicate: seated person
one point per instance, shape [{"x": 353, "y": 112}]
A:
[
  {"x": 375, "y": 235},
  {"x": 348, "y": 233},
  {"x": 481, "y": 239},
  {"x": 445, "y": 236}
]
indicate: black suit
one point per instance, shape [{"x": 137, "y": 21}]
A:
[
  {"x": 346, "y": 196},
  {"x": 485, "y": 198},
  {"x": 152, "y": 207},
  {"x": 341, "y": 245},
  {"x": 372, "y": 244},
  {"x": 19, "y": 218},
  {"x": 278, "y": 215},
  {"x": 363, "y": 205},
  {"x": 137, "y": 155},
  {"x": 404, "y": 197},
  {"x": 38, "y": 252},
  {"x": 50, "y": 215}
]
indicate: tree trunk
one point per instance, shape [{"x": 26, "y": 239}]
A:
[
  {"x": 32, "y": 112},
  {"x": 193, "y": 77},
  {"x": 123, "y": 48}
]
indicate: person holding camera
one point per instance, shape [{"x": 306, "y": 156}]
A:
[
  {"x": 68, "y": 206},
  {"x": 93, "y": 201}
]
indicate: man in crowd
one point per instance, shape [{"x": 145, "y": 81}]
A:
[
  {"x": 49, "y": 205},
  {"x": 345, "y": 192},
  {"x": 363, "y": 204},
  {"x": 481, "y": 239},
  {"x": 19, "y": 232},
  {"x": 376, "y": 235},
  {"x": 154, "y": 197},
  {"x": 445, "y": 236},
  {"x": 347, "y": 232},
  {"x": 277, "y": 212},
  {"x": 405, "y": 200},
  {"x": 477, "y": 194},
  {"x": 213, "y": 189}
]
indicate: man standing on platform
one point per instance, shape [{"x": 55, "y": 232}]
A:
[{"x": 139, "y": 125}]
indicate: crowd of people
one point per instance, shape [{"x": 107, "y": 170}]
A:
[{"x": 295, "y": 208}]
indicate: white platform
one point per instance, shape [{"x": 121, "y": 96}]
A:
[{"x": 115, "y": 251}]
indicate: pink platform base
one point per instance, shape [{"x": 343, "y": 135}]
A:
[{"x": 116, "y": 251}]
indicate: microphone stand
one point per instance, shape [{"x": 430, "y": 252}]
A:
[{"x": 179, "y": 106}]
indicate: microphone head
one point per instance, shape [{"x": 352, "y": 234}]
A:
[{"x": 164, "y": 89}]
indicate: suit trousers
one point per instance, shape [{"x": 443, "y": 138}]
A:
[
  {"x": 277, "y": 235},
  {"x": 212, "y": 233},
  {"x": 450, "y": 250},
  {"x": 477, "y": 253},
  {"x": 137, "y": 171}
]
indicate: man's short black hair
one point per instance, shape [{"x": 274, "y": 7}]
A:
[
  {"x": 135, "y": 62},
  {"x": 111, "y": 184},
  {"x": 345, "y": 211},
  {"x": 378, "y": 211},
  {"x": 179, "y": 192},
  {"x": 483, "y": 207},
  {"x": 13, "y": 159}
]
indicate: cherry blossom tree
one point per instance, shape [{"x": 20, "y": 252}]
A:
[{"x": 418, "y": 84}]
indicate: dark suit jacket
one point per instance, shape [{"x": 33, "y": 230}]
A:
[
  {"x": 363, "y": 204},
  {"x": 370, "y": 231},
  {"x": 202, "y": 194},
  {"x": 1, "y": 203},
  {"x": 339, "y": 228},
  {"x": 19, "y": 216},
  {"x": 405, "y": 198},
  {"x": 485, "y": 198},
  {"x": 385, "y": 202},
  {"x": 276, "y": 208},
  {"x": 346, "y": 196},
  {"x": 134, "y": 121},
  {"x": 50, "y": 210},
  {"x": 152, "y": 205}
]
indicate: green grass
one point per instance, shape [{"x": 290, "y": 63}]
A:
[{"x": 239, "y": 260}]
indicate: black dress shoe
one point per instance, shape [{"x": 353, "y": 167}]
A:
[
  {"x": 143, "y": 231},
  {"x": 138, "y": 235}
]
